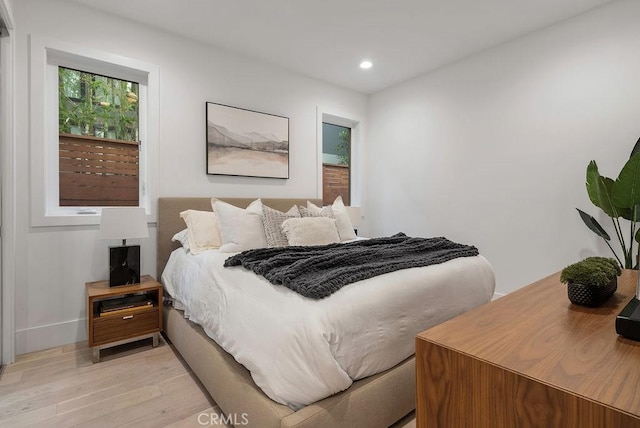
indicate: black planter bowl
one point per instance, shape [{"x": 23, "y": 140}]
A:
[{"x": 589, "y": 295}]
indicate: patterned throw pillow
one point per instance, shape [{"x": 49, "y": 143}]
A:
[
  {"x": 272, "y": 221},
  {"x": 318, "y": 212}
]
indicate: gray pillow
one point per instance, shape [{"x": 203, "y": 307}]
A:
[{"x": 272, "y": 221}]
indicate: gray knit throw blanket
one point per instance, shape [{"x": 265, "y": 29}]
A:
[{"x": 317, "y": 272}]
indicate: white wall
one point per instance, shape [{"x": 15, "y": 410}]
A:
[
  {"x": 492, "y": 150},
  {"x": 55, "y": 262}
]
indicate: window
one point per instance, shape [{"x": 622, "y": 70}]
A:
[
  {"x": 98, "y": 139},
  {"x": 336, "y": 163},
  {"x": 93, "y": 133}
]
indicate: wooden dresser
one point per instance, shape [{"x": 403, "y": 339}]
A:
[{"x": 531, "y": 359}]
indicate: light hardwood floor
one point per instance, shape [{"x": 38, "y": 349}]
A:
[{"x": 134, "y": 385}]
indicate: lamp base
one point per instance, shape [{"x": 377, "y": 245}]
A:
[
  {"x": 628, "y": 320},
  {"x": 124, "y": 265}
]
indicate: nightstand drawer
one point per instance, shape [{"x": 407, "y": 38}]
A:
[{"x": 118, "y": 327}]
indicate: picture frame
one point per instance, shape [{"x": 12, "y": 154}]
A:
[{"x": 242, "y": 142}]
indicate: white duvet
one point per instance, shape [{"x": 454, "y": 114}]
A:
[{"x": 301, "y": 350}]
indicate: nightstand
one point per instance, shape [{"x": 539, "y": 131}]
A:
[{"x": 112, "y": 321}]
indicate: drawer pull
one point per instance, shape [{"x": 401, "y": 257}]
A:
[{"x": 128, "y": 317}]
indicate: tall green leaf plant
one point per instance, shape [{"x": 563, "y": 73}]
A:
[{"x": 619, "y": 199}]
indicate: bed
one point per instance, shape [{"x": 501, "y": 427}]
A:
[{"x": 377, "y": 400}]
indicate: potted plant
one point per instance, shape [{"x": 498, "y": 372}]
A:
[
  {"x": 591, "y": 281},
  {"x": 619, "y": 199}
]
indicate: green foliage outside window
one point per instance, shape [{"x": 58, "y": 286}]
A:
[
  {"x": 344, "y": 146},
  {"x": 100, "y": 106}
]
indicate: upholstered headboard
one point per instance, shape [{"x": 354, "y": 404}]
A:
[{"x": 169, "y": 221}]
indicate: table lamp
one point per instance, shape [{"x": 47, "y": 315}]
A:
[
  {"x": 123, "y": 223},
  {"x": 355, "y": 216}
]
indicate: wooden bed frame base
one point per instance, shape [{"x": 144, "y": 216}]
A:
[{"x": 376, "y": 401}]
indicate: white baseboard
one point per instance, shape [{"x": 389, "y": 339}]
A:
[
  {"x": 49, "y": 336},
  {"x": 497, "y": 296}
]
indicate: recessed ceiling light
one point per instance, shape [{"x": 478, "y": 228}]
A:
[{"x": 366, "y": 64}]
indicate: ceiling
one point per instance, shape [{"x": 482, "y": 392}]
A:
[{"x": 327, "y": 39}]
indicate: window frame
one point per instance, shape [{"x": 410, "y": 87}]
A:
[
  {"x": 127, "y": 147},
  {"x": 347, "y": 166},
  {"x": 355, "y": 161},
  {"x": 46, "y": 56}
]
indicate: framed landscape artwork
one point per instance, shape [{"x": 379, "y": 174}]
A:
[{"x": 247, "y": 143}]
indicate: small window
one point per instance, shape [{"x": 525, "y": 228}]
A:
[
  {"x": 336, "y": 163},
  {"x": 87, "y": 104},
  {"x": 98, "y": 125}
]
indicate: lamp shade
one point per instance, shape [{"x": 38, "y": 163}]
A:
[
  {"x": 123, "y": 223},
  {"x": 354, "y": 215}
]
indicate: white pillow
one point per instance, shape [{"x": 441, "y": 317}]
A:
[
  {"x": 202, "y": 230},
  {"x": 343, "y": 221},
  {"x": 183, "y": 238},
  {"x": 240, "y": 229},
  {"x": 311, "y": 231}
]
